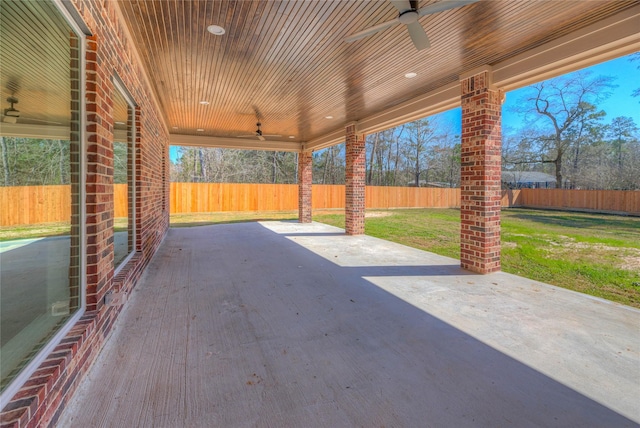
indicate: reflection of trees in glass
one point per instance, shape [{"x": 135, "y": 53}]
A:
[
  {"x": 33, "y": 162},
  {"x": 119, "y": 163},
  {"x": 198, "y": 164}
]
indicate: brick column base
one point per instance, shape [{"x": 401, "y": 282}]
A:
[
  {"x": 480, "y": 174},
  {"x": 305, "y": 179},
  {"x": 354, "y": 181}
]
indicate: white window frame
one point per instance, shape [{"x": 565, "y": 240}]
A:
[
  {"x": 119, "y": 86},
  {"x": 81, "y": 32}
]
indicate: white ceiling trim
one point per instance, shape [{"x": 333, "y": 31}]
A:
[
  {"x": 608, "y": 39},
  {"x": 434, "y": 102},
  {"x": 45, "y": 132},
  {"x": 233, "y": 143}
]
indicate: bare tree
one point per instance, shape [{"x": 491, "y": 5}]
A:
[
  {"x": 621, "y": 130},
  {"x": 420, "y": 135},
  {"x": 560, "y": 104}
]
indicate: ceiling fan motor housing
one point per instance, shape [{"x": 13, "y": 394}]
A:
[
  {"x": 408, "y": 17},
  {"x": 11, "y": 111}
]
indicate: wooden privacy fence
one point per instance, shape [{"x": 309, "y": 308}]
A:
[
  {"x": 34, "y": 204},
  {"x": 213, "y": 197},
  {"x": 614, "y": 201},
  {"x": 46, "y": 204}
]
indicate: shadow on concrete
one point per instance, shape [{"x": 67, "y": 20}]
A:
[{"x": 298, "y": 339}]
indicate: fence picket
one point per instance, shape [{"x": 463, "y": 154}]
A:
[{"x": 46, "y": 204}]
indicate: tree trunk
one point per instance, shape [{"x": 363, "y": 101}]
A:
[
  {"x": 380, "y": 162},
  {"x": 61, "y": 165},
  {"x": 326, "y": 166},
  {"x": 417, "y": 174},
  {"x": 5, "y": 162},
  {"x": 203, "y": 175},
  {"x": 373, "y": 151},
  {"x": 619, "y": 152},
  {"x": 274, "y": 172},
  {"x": 395, "y": 162},
  {"x": 558, "y": 163}
]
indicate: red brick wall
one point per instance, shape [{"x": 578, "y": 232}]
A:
[
  {"x": 354, "y": 181},
  {"x": 480, "y": 175},
  {"x": 42, "y": 398},
  {"x": 305, "y": 180}
]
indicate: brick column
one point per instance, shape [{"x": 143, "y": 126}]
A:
[
  {"x": 305, "y": 179},
  {"x": 354, "y": 181},
  {"x": 99, "y": 179},
  {"x": 480, "y": 173}
]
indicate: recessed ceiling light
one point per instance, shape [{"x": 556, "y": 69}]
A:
[
  {"x": 328, "y": 117},
  {"x": 204, "y": 103},
  {"x": 174, "y": 127},
  {"x": 292, "y": 136},
  {"x": 199, "y": 130},
  {"x": 119, "y": 123},
  {"x": 215, "y": 29},
  {"x": 410, "y": 75}
]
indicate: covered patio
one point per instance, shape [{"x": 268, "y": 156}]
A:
[
  {"x": 293, "y": 324},
  {"x": 288, "y": 324}
]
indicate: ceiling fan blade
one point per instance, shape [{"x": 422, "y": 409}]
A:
[
  {"x": 371, "y": 30},
  {"x": 48, "y": 122},
  {"x": 256, "y": 110},
  {"x": 401, "y": 5},
  {"x": 443, "y": 5},
  {"x": 418, "y": 36},
  {"x": 22, "y": 120}
]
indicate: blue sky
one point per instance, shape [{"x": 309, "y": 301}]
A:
[{"x": 621, "y": 103}]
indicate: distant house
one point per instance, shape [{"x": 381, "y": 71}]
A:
[
  {"x": 528, "y": 180},
  {"x": 424, "y": 183}
]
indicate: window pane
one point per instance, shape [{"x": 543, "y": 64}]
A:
[
  {"x": 40, "y": 189},
  {"x": 123, "y": 179}
]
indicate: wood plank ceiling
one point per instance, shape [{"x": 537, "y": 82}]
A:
[{"x": 286, "y": 61}]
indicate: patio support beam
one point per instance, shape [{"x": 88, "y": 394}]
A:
[
  {"x": 354, "y": 180},
  {"x": 480, "y": 172},
  {"x": 305, "y": 179}
]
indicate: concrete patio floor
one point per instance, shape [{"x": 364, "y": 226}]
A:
[{"x": 280, "y": 324}]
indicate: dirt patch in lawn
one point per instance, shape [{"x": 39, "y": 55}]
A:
[
  {"x": 625, "y": 258},
  {"x": 377, "y": 214},
  {"x": 631, "y": 263}
]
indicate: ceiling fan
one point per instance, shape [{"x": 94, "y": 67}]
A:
[
  {"x": 408, "y": 14},
  {"x": 11, "y": 114},
  {"x": 259, "y": 133}
]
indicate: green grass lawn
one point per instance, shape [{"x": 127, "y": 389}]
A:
[
  {"x": 591, "y": 253},
  {"x": 32, "y": 231},
  {"x": 188, "y": 220}
]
